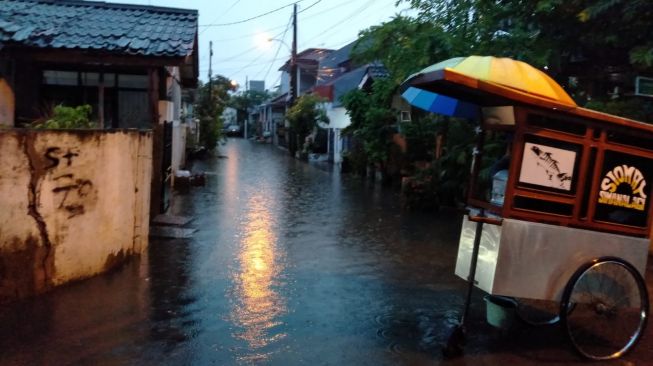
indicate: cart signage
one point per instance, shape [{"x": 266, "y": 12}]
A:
[
  {"x": 547, "y": 166},
  {"x": 624, "y": 189},
  {"x": 632, "y": 179}
]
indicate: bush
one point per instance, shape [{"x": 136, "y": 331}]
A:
[
  {"x": 68, "y": 118},
  {"x": 420, "y": 191}
]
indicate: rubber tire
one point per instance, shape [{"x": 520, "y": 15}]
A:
[{"x": 565, "y": 304}]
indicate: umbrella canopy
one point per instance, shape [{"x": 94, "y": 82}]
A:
[
  {"x": 474, "y": 77},
  {"x": 441, "y": 104}
]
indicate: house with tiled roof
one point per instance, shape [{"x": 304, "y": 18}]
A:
[
  {"x": 128, "y": 62},
  {"x": 270, "y": 121},
  {"x": 339, "y": 74}
]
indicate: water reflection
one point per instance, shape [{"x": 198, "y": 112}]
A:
[{"x": 257, "y": 301}]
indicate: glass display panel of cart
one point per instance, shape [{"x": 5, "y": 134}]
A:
[
  {"x": 625, "y": 189},
  {"x": 549, "y": 165}
]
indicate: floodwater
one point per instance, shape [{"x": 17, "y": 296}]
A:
[{"x": 290, "y": 265}]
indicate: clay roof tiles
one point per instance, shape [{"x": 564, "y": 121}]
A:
[{"x": 89, "y": 25}]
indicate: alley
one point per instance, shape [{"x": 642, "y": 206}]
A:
[{"x": 290, "y": 265}]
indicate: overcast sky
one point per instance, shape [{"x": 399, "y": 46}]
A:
[{"x": 241, "y": 51}]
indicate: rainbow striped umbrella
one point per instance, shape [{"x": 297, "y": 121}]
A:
[
  {"x": 481, "y": 78},
  {"x": 440, "y": 104}
]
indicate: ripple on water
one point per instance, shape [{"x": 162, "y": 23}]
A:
[{"x": 404, "y": 331}]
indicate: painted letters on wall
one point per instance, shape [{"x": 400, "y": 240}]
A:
[{"x": 74, "y": 193}]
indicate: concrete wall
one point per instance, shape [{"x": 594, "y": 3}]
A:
[
  {"x": 74, "y": 204},
  {"x": 338, "y": 120},
  {"x": 7, "y": 104},
  {"x": 178, "y": 160}
]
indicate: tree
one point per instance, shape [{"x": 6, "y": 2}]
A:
[
  {"x": 403, "y": 45},
  {"x": 304, "y": 117},
  {"x": 212, "y": 99},
  {"x": 245, "y": 101},
  {"x": 372, "y": 119}
]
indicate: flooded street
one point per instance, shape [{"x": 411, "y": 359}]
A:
[{"x": 290, "y": 265}]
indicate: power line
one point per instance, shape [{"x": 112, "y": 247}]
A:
[
  {"x": 326, "y": 10},
  {"x": 254, "y": 17},
  {"x": 308, "y": 7},
  {"x": 262, "y": 63},
  {"x": 221, "y": 15},
  {"x": 280, "y": 44},
  {"x": 356, "y": 12},
  {"x": 246, "y": 51},
  {"x": 262, "y": 54},
  {"x": 248, "y": 35}
]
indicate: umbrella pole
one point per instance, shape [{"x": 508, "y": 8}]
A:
[{"x": 456, "y": 340}]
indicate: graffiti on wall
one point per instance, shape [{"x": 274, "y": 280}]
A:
[{"x": 74, "y": 193}]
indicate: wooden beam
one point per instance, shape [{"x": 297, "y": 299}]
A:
[{"x": 91, "y": 57}]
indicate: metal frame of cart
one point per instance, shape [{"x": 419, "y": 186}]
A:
[{"x": 572, "y": 225}]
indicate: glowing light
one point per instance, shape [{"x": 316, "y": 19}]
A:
[
  {"x": 258, "y": 304},
  {"x": 262, "y": 41}
]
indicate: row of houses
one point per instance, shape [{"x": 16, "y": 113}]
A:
[
  {"x": 330, "y": 74},
  {"x": 76, "y": 203}
]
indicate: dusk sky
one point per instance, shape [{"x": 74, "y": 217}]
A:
[{"x": 241, "y": 50}]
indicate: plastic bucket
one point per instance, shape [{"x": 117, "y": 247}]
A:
[{"x": 500, "y": 311}]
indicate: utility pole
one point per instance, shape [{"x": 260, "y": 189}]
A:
[
  {"x": 294, "y": 92},
  {"x": 291, "y": 137},
  {"x": 246, "y": 108},
  {"x": 210, "y": 73}
]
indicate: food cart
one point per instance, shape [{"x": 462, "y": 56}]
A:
[{"x": 563, "y": 215}]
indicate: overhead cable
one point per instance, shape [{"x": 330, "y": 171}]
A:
[{"x": 252, "y": 18}]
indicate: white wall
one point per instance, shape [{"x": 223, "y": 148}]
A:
[
  {"x": 179, "y": 132},
  {"x": 229, "y": 116},
  {"x": 338, "y": 119},
  {"x": 74, "y": 204}
]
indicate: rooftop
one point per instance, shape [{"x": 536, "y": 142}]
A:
[{"x": 99, "y": 26}]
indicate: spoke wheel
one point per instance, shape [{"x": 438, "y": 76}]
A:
[{"x": 610, "y": 308}]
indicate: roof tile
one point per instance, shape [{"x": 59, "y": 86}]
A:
[{"x": 76, "y": 24}]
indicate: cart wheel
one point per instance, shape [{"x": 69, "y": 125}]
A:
[
  {"x": 610, "y": 308},
  {"x": 538, "y": 312}
]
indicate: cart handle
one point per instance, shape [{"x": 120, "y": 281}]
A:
[{"x": 486, "y": 220}]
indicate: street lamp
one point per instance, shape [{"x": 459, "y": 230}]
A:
[{"x": 295, "y": 76}]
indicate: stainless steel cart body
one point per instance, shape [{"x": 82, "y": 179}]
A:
[{"x": 534, "y": 260}]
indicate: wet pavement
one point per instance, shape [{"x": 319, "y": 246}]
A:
[{"x": 291, "y": 265}]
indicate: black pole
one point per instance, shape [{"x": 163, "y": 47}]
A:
[
  {"x": 210, "y": 71},
  {"x": 293, "y": 59},
  {"x": 471, "y": 280},
  {"x": 456, "y": 340},
  {"x": 291, "y": 137}
]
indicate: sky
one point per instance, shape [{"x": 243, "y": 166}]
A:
[{"x": 243, "y": 51}]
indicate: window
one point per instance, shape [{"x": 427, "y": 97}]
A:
[
  {"x": 405, "y": 116},
  {"x": 54, "y": 77},
  {"x": 133, "y": 81},
  {"x": 549, "y": 165}
]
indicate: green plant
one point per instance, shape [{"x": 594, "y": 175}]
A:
[
  {"x": 420, "y": 137},
  {"x": 211, "y": 102},
  {"x": 420, "y": 191},
  {"x": 63, "y": 117},
  {"x": 372, "y": 119},
  {"x": 304, "y": 116}
]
